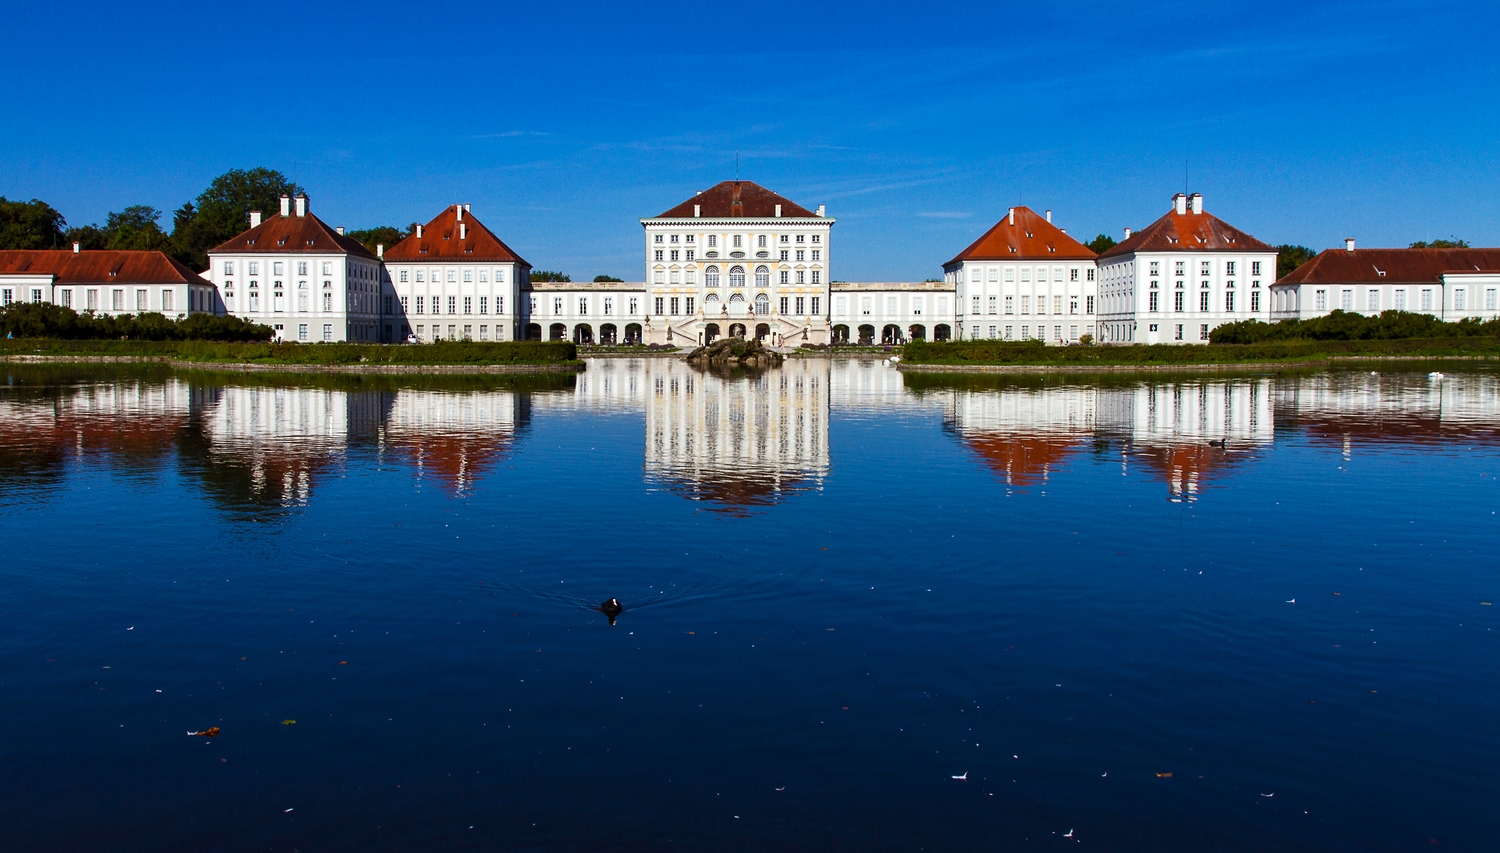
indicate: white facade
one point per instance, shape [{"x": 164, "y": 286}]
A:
[
  {"x": 1449, "y": 284},
  {"x": 107, "y": 282},
  {"x": 602, "y": 312},
  {"x": 270, "y": 275},
  {"x": 1175, "y": 288},
  {"x": 1053, "y": 302},
  {"x": 891, "y": 312}
]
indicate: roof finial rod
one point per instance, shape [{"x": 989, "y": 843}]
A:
[{"x": 736, "y": 163}]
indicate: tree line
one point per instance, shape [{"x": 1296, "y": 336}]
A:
[
  {"x": 218, "y": 213},
  {"x": 1348, "y": 326}
]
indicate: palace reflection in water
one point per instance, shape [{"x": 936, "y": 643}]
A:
[{"x": 733, "y": 442}]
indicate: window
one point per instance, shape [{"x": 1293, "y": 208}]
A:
[
  {"x": 760, "y": 241},
  {"x": 1254, "y": 301},
  {"x": 484, "y": 333},
  {"x": 1458, "y": 299},
  {"x": 1346, "y": 300},
  {"x": 866, "y": 304},
  {"x": 1203, "y": 300},
  {"x": 976, "y": 306},
  {"x": 1088, "y": 306},
  {"x": 328, "y": 302},
  {"x": 815, "y": 301},
  {"x": 402, "y": 276},
  {"x": 1372, "y": 301},
  {"x": 1057, "y": 305},
  {"x": 1090, "y": 275},
  {"x": 1255, "y": 267},
  {"x": 762, "y": 275},
  {"x": 992, "y": 332},
  {"x": 737, "y": 241},
  {"x": 762, "y": 304},
  {"x": 1010, "y": 304},
  {"x": 421, "y": 276},
  {"x": 817, "y": 276},
  {"x": 1229, "y": 300},
  {"x": 736, "y": 276},
  {"x": 1177, "y": 301},
  {"x": 659, "y": 305},
  {"x": 916, "y": 306},
  {"x": 609, "y": 305},
  {"x": 1203, "y": 332},
  {"x": 786, "y": 301},
  {"x": 690, "y": 257},
  {"x": 140, "y": 300},
  {"x": 278, "y": 268},
  {"x": 1025, "y": 333},
  {"x": 1180, "y": 269},
  {"x": 419, "y": 304},
  {"x": 468, "y": 333},
  {"x": 1025, "y": 307},
  {"x": 713, "y": 240},
  {"x": 673, "y": 238},
  {"x": 799, "y": 238},
  {"x": 658, "y": 238},
  {"x": 1229, "y": 267},
  {"x": 327, "y": 331},
  {"x": 302, "y": 268},
  {"x": 1203, "y": 269},
  {"x": 1320, "y": 300},
  {"x": 711, "y": 277},
  {"x": 1008, "y": 330},
  {"x": 801, "y": 255},
  {"x": 1400, "y": 300},
  {"x": 801, "y": 302},
  {"x": 254, "y": 268},
  {"x": 468, "y": 305},
  {"x": 484, "y": 276},
  {"x": 1073, "y": 274},
  {"x": 785, "y": 275},
  {"x": 1152, "y": 297},
  {"x": 91, "y": 295},
  {"x": 658, "y": 254},
  {"x": 1179, "y": 332},
  {"x": 801, "y": 277},
  {"x": 483, "y": 305},
  {"x": 301, "y": 331},
  {"x": 557, "y": 303},
  {"x": 67, "y": 298},
  {"x": 817, "y": 238},
  {"x": 1426, "y": 299},
  {"x": 1073, "y": 305},
  {"x": 992, "y": 305},
  {"x": 327, "y": 268},
  {"x": 676, "y": 254},
  {"x": 1489, "y": 299},
  {"x": 635, "y": 303}
]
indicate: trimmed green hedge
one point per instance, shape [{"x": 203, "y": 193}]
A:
[
  {"x": 1036, "y": 353},
  {"x": 444, "y": 353}
]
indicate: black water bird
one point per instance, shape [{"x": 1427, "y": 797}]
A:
[{"x": 611, "y": 608}]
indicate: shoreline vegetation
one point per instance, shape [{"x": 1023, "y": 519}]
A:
[
  {"x": 1026, "y": 356},
  {"x": 443, "y": 357}
]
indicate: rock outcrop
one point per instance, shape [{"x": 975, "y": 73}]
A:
[{"x": 734, "y": 352}]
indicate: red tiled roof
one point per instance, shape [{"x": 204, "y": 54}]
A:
[
  {"x": 440, "y": 242},
  {"x": 738, "y": 199},
  {"x": 1189, "y": 232},
  {"x": 305, "y": 234},
  {"x": 104, "y": 266},
  {"x": 1032, "y": 237},
  {"x": 1339, "y": 266}
]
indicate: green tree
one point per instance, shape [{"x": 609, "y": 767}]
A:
[
  {"x": 136, "y": 227},
  {"x": 88, "y": 237},
  {"x": 1450, "y": 243},
  {"x": 1101, "y": 244},
  {"x": 380, "y": 235},
  {"x": 548, "y": 275},
  {"x": 30, "y": 225},
  {"x": 596, "y": 278},
  {"x": 222, "y": 210},
  {"x": 1289, "y": 257}
]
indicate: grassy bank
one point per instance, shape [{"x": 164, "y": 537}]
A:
[
  {"x": 457, "y": 353},
  {"x": 1025, "y": 353}
]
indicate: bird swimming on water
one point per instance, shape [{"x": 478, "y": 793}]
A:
[{"x": 611, "y": 608}]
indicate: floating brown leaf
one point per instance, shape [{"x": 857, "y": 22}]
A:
[{"x": 212, "y": 731}]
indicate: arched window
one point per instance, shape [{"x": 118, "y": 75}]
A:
[
  {"x": 711, "y": 277},
  {"x": 762, "y": 301},
  {"x": 762, "y": 277},
  {"x": 736, "y": 276},
  {"x": 710, "y": 300},
  {"x": 735, "y": 297}
]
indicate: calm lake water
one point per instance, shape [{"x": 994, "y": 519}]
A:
[{"x": 844, "y": 587}]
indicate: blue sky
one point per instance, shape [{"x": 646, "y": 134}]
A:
[{"x": 916, "y": 124}]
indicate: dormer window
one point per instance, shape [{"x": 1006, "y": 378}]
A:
[
  {"x": 1380, "y": 272},
  {"x": 1029, "y": 235},
  {"x": 281, "y": 242},
  {"x": 1052, "y": 249}
]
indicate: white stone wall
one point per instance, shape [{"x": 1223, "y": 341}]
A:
[
  {"x": 444, "y": 300},
  {"x": 1236, "y": 286},
  {"x": 175, "y": 300},
  {"x": 1026, "y": 300},
  {"x": 717, "y": 271},
  {"x": 892, "y": 312},
  {"x": 303, "y": 297},
  {"x": 1451, "y": 298}
]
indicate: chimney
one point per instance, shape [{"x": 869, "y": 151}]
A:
[
  {"x": 463, "y": 230},
  {"x": 466, "y": 207},
  {"x": 77, "y": 246},
  {"x": 1197, "y": 202},
  {"x": 1348, "y": 244},
  {"x": 340, "y": 229},
  {"x": 286, "y": 205},
  {"x": 1127, "y": 233},
  {"x": 1049, "y": 216},
  {"x": 460, "y": 209},
  {"x": 820, "y": 210},
  {"x": 697, "y": 210},
  {"x": 301, "y": 205},
  {"x": 1179, "y": 203},
  {"x": 380, "y": 250},
  {"x": 778, "y": 211},
  {"x": 419, "y": 232},
  {"x": 1012, "y": 216},
  {"x": 254, "y": 219}
]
